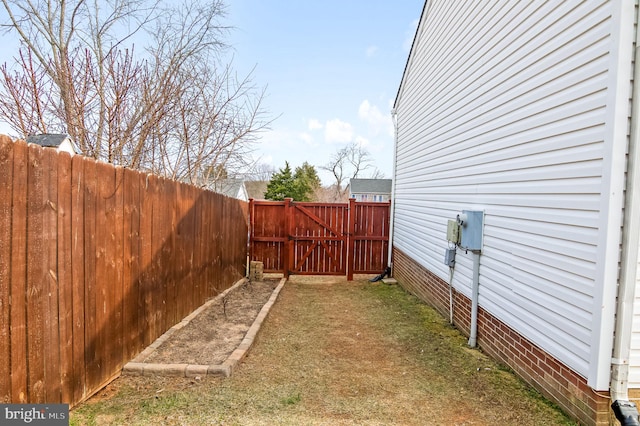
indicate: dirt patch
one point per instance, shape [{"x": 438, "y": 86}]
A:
[{"x": 217, "y": 331}]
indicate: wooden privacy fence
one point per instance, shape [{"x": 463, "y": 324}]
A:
[
  {"x": 96, "y": 262},
  {"x": 320, "y": 238}
]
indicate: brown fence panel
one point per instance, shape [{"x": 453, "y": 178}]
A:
[
  {"x": 97, "y": 262},
  {"x": 371, "y": 237},
  {"x": 319, "y": 235},
  {"x": 319, "y": 238},
  {"x": 269, "y": 234}
]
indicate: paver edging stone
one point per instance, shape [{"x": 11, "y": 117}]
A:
[{"x": 137, "y": 366}]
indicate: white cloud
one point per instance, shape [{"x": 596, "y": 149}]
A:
[
  {"x": 315, "y": 124},
  {"x": 377, "y": 121},
  {"x": 306, "y": 137},
  {"x": 337, "y": 131},
  {"x": 371, "y": 51},
  {"x": 409, "y": 35},
  {"x": 362, "y": 141}
]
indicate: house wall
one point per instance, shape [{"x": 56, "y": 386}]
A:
[
  {"x": 520, "y": 109},
  {"x": 634, "y": 361},
  {"x": 378, "y": 198}
]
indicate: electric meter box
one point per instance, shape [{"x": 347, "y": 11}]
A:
[
  {"x": 450, "y": 257},
  {"x": 471, "y": 229},
  {"x": 453, "y": 232}
]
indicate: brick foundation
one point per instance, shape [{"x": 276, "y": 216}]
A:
[{"x": 545, "y": 373}]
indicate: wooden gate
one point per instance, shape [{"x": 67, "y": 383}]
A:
[{"x": 320, "y": 238}]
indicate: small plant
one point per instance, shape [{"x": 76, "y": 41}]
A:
[
  {"x": 292, "y": 400},
  {"x": 225, "y": 300}
]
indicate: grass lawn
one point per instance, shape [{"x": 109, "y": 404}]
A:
[{"x": 337, "y": 353}]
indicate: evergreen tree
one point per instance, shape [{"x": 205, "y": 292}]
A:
[
  {"x": 281, "y": 185},
  {"x": 299, "y": 185},
  {"x": 307, "y": 181}
]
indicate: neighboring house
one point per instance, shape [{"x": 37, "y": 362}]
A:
[
  {"x": 233, "y": 188},
  {"x": 526, "y": 111},
  {"x": 378, "y": 190},
  {"x": 256, "y": 189},
  {"x": 61, "y": 142}
]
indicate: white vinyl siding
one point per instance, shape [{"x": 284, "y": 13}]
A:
[
  {"x": 634, "y": 361},
  {"x": 504, "y": 107}
]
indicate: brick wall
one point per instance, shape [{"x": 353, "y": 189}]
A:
[{"x": 548, "y": 375}]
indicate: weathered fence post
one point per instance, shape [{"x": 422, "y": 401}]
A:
[{"x": 288, "y": 244}]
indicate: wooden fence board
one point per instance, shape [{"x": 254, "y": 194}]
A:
[
  {"x": 156, "y": 243},
  {"x": 103, "y": 273},
  {"x": 159, "y": 241},
  {"x": 92, "y": 357},
  {"x": 146, "y": 255},
  {"x": 36, "y": 275},
  {"x": 64, "y": 274},
  {"x": 215, "y": 230},
  {"x": 118, "y": 283},
  {"x": 77, "y": 276},
  {"x": 171, "y": 316},
  {"x": 52, "y": 370},
  {"x": 183, "y": 249},
  {"x": 208, "y": 230},
  {"x": 131, "y": 265},
  {"x": 185, "y": 230},
  {"x": 6, "y": 186},
  {"x": 199, "y": 253},
  {"x": 105, "y": 264},
  {"x": 19, "y": 380}
]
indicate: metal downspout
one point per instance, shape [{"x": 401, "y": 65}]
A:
[
  {"x": 394, "y": 117},
  {"x": 626, "y": 411}
]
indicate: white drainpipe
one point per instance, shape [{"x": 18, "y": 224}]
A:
[
  {"x": 628, "y": 264},
  {"x": 394, "y": 117}
]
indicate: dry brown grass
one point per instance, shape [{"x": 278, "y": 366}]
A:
[{"x": 337, "y": 353}]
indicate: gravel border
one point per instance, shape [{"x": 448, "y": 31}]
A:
[{"x": 137, "y": 366}]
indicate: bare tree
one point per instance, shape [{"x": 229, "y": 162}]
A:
[
  {"x": 169, "y": 107},
  {"x": 349, "y": 162},
  {"x": 216, "y": 119},
  {"x": 260, "y": 172}
]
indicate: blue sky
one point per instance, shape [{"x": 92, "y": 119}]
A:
[{"x": 331, "y": 71}]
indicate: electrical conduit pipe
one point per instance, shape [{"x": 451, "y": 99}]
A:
[{"x": 475, "y": 287}]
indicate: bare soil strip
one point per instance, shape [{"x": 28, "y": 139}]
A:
[{"x": 214, "y": 339}]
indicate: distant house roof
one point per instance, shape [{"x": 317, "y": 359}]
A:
[
  {"x": 370, "y": 186},
  {"x": 256, "y": 189},
  {"x": 60, "y": 141},
  {"x": 234, "y": 188}
]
